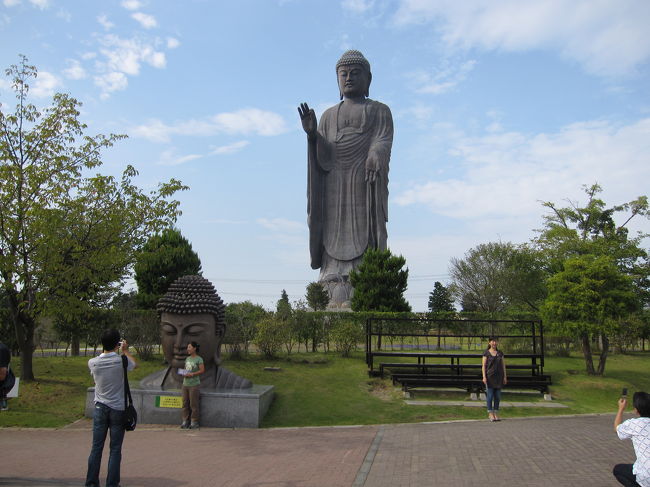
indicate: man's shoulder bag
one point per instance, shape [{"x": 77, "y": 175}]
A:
[{"x": 130, "y": 414}]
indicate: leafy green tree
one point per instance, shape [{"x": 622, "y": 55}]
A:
[
  {"x": 380, "y": 282},
  {"x": 347, "y": 334},
  {"x": 317, "y": 296},
  {"x": 577, "y": 230},
  {"x": 283, "y": 308},
  {"x": 585, "y": 299},
  {"x": 308, "y": 326},
  {"x": 440, "y": 299},
  {"x": 525, "y": 277},
  {"x": 270, "y": 334},
  {"x": 241, "y": 319},
  {"x": 313, "y": 329},
  {"x": 141, "y": 327},
  {"x": 163, "y": 259},
  {"x": 596, "y": 258},
  {"x": 293, "y": 331},
  {"x": 7, "y": 333},
  {"x": 477, "y": 279},
  {"x": 496, "y": 276},
  {"x": 66, "y": 237}
]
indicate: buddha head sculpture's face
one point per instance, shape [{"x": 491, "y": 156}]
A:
[
  {"x": 177, "y": 331},
  {"x": 354, "y": 80},
  {"x": 191, "y": 310}
]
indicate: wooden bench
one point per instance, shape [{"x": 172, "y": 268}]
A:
[
  {"x": 458, "y": 369},
  {"x": 454, "y": 360},
  {"x": 470, "y": 383},
  {"x": 425, "y": 368}
]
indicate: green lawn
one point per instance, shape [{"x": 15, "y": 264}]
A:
[{"x": 325, "y": 389}]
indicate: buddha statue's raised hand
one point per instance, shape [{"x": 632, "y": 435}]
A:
[{"x": 308, "y": 119}]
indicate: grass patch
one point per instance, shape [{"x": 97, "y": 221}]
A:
[{"x": 325, "y": 389}]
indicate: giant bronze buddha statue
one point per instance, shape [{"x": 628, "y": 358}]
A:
[{"x": 347, "y": 194}]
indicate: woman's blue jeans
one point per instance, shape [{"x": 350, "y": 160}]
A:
[
  {"x": 493, "y": 399},
  {"x": 104, "y": 419}
]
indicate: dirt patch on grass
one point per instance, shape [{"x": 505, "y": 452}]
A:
[
  {"x": 317, "y": 361},
  {"x": 382, "y": 389}
]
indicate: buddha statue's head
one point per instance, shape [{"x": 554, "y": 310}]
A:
[
  {"x": 353, "y": 74},
  {"x": 191, "y": 310}
]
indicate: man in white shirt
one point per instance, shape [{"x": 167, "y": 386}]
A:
[
  {"x": 108, "y": 374},
  {"x": 638, "y": 430}
]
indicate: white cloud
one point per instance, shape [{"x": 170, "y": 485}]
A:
[
  {"x": 157, "y": 59},
  {"x": 65, "y": 15},
  {"x": 169, "y": 158},
  {"x": 250, "y": 120},
  {"x": 5, "y": 92},
  {"x": 127, "y": 55},
  {"x": 230, "y": 148},
  {"x": 42, "y": 4},
  {"x": 419, "y": 113},
  {"x": 172, "y": 43},
  {"x": 74, "y": 70},
  {"x": 288, "y": 235},
  {"x": 145, "y": 20},
  {"x": 104, "y": 22},
  {"x": 507, "y": 174},
  {"x": 225, "y": 221},
  {"x": 242, "y": 122},
  {"x": 430, "y": 253},
  {"x": 131, "y": 4},
  {"x": 155, "y": 131},
  {"x": 112, "y": 81},
  {"x": 443, "y": 80},
  {"x": 281, "y": 225},
  {"x": 505, "y": 177},
  {"x": 11, "y": 3},
  {"x": 45, "y": 85},
  {"x": 357, "y": 6},
  {"x": 607, "y": 38}
]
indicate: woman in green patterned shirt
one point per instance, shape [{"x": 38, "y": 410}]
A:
[{"x": 192, "y": 387}]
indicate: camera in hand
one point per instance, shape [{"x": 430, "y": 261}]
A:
[{"x": 624, "y": 393}]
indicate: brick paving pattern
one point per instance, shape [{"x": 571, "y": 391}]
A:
[
  {"x": 550, "y": 451},
  {"x": 557, "y": 451},
  {"x": 309, "y": 457}
]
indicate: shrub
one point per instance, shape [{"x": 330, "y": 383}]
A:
[
  {"x": 346, "y": 335},
  {"x": 241, "y": 321},
  {"x": 270, "y": 336},
  {"x": 141, "y": 328},
  {"x": 559, "y": 346}
]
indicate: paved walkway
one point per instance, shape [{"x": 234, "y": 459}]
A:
[{"x": 549, "y": 451}]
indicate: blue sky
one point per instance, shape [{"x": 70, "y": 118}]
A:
[{"x": 497, "y": 105}]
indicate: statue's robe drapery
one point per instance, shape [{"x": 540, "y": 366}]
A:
[{"x": 347, "y": 214}]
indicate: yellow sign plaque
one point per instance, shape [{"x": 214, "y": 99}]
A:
[{"x": 174, "y": 402}]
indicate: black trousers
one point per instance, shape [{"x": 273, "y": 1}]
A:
[{"x": 624, "y": 475}]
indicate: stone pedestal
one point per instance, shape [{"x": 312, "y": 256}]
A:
[{"x": 220, "y": 408}]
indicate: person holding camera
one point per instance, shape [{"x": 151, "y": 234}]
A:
[
  {"x": 638, "y": 430},
  {"x": 108, "y": 373}
]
